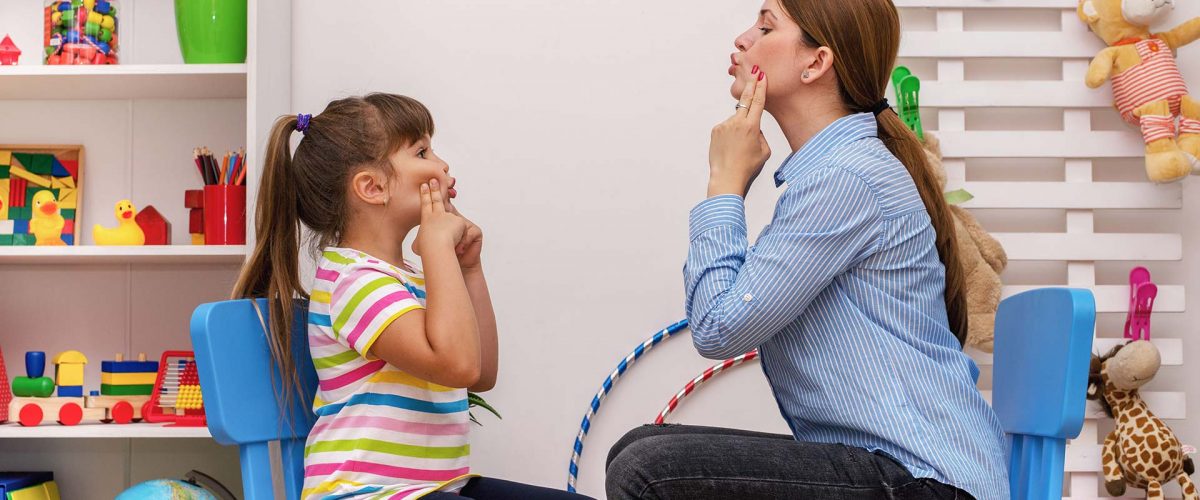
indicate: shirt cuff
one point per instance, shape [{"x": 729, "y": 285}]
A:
[{"x": 727, "y": 210}]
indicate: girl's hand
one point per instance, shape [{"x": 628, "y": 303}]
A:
[
  {"x": 440, "y": 228},
  {"x": 738, "y": 150},
  {"x": 471, "y": 244}
]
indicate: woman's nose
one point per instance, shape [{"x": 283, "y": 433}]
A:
[{"x": 743, "y": 42}]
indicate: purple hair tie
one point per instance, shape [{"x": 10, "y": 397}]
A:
[{"x": 302, "y": 122}]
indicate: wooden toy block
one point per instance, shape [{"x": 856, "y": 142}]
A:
[
  {"x": 20, "y": 226},
  {"x": 5, "y": 157},
  {"x": 6, "y": 226},
  {"x": 6, "y": 240},
  {"x": 196, "y": 221},
  {"x": 72, "y": 167},
  {"x": 4, "y": 169},
  {"x": 126, "y": 390},
  {"x": 23, "y": 240},
  {"x": 62, "y": 182},
  {"x": 29, "y": 176},
  {"x": 16, "y": 192},
  {"x": 14, "y": 481},
  {"x": 154, "y": 226},
  {"x": 68, "y": 411},
  {"x": 42, "y": 164},
  {"x": 70, "y": 391},
  {"x": 68, "y": 199},
  {"x": 22, "y": 159},
  {"x": 119, "y": 365},
  {"x": 68, "y": 226},
  {"x": 193, "y": 198},
  {"x": 69, "y": 239},
  {"x": 45, "y": 491},
  {"x": 68, "y": 369},
  {"x": 197, "y": 238},
  {"x": 107, "y": 378},
  {"x": 67, "y": 213},
  {"x": 58, "y": 170},
  {"x": 3, "y": 200}
]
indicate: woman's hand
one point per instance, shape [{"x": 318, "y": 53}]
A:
[
  {"x": 470, "y": 246},
  {"x": 738, "y": 150},
  {"x": 440, "y": 228}
]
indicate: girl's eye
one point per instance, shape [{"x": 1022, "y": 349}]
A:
[
  {"x": 421, "y": 153},
  {"x": 764, "y": 30}
]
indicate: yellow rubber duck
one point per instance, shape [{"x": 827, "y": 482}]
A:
[
  {"x": 47, "y": 221},
  {"x": 127, "y": 231}
]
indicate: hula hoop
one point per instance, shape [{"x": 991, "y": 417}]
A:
[
  {"x": 691, "y": 386},
  {"x": 605, "y": 388}
]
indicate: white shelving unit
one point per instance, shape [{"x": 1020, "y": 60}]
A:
[
  {"x": 90, "y": 254},
  {"x": 98, "y": 431},
  {"x": 134, "y": 81},
  {"x": 138, "y": 122}
]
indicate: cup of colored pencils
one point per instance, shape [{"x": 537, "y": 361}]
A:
[{"x": 224, "y": 196}]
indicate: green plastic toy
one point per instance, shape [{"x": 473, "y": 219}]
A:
[{"x": 908, "y": 103}]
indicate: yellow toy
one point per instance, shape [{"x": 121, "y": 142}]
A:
[
  {"x": 47, "y": 221},
  {"x": 127, "y": 231},
  {"x": 1148, "y": 89}
]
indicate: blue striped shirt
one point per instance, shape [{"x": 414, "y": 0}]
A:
[{"x": 843, "y": 295}]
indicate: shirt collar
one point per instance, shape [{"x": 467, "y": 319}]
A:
[{"x": 842, "y": 131}]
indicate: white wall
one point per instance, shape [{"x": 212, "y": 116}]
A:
[{"x": 579, "y": 133}]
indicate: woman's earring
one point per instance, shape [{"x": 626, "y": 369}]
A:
[{"x": 804, "y": 75}]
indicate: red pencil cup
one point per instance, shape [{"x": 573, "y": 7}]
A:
[{"x": 225, "y": 215}]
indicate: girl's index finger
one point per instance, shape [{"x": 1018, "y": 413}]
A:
[
  {"x": 435, "y": 193},
  {"x": 426, "y": 200}
]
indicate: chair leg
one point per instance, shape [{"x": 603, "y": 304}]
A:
[
  {"x": 256, "y": 472},
  {"x": 292, "y": 451}
]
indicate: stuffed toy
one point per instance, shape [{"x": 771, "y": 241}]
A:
[
  {"x": 1148, "y": 89},
  {"x": 982, "y": 258},
  {"x": 1141, "y": 451}
]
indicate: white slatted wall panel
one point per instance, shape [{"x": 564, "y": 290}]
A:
[{"x": 1079, "y": 246}]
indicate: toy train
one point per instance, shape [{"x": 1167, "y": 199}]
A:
[{"x": 125, "y": 392}]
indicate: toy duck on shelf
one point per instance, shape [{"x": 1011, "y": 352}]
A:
[
  {"x": 127, "y": 231},
  {"x": 47, "y": 221}
]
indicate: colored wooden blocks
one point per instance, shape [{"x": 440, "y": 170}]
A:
[
  {"x": 193, "y": 200},
  {"x": 28, "y": 486},
  {"x": 128, "y": 378},
  {"x": 24, "y": 172},
  {"x": 68, "y": 371}
]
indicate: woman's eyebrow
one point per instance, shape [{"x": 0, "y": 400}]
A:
[{"x": 765, "y": 12}]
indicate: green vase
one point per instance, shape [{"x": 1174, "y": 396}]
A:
[{"x": 211, "y": 31}]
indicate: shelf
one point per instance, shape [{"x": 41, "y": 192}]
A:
[
  {"x": 130, "y": 81},
  {"x": 88, "y": 254},
  {"x": 152, "y": 431}
]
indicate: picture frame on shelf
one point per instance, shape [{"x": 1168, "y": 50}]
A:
[{"x": 28, "y": 217}]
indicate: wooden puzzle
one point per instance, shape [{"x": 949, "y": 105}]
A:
[{"x": 40, "y": 190}]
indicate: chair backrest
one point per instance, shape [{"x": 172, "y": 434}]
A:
[
  {"x": 1042, "y": 351},
  {"x": 242, "y": 392}
]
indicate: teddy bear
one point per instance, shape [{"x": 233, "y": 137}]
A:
[
  {"x": 1141, "y": 451},
  {"x": 982, "y": 258},
  {"x": 1148, "y": 89}
]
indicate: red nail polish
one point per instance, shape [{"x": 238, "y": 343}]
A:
[
  {"x": 754, "y": 70},
  {"x": 761, "y": 75}
]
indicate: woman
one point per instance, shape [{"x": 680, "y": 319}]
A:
[{"x": 853, "y": 294}]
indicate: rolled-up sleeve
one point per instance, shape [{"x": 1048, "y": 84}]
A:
[{"x": 738, "y": 296}]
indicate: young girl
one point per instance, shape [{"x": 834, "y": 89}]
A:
[{"x": 395, "y": 349}]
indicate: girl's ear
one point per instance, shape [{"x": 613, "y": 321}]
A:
[{"x": 370, "y": 186}]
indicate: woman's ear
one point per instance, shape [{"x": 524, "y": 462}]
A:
[
  {"x": 370, "y": 186},
  {"x": 822, "y": 62}
]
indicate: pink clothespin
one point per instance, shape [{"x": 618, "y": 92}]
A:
[{"x": 1142, "y": 293}]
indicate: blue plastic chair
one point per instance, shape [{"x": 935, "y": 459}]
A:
[
  {"x": 240, "y": 385},
  {"x": 1042, "y": 351}
]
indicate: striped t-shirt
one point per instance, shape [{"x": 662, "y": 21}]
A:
[{"x": 380, "y": 433}]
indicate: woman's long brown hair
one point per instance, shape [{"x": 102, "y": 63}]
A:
[
  {"x": 864, "y": 36},
  {"x": 310, "y": 188}
]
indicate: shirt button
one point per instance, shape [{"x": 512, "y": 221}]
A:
[
  {"x": 1154, "y": 48},
  {"x": 747, "y": 298}
]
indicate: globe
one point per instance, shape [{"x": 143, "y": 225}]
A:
[{"x": 165, "y": 489}]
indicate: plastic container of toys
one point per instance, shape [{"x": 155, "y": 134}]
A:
[{"x": 81, "y": 31}]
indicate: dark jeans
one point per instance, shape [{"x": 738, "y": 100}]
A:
[
  {"x": 486, "y": 488},
  {"x": 690, "y": 462}
]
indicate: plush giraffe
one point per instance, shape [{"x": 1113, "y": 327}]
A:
[{"x": 1141, "y": 451}]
